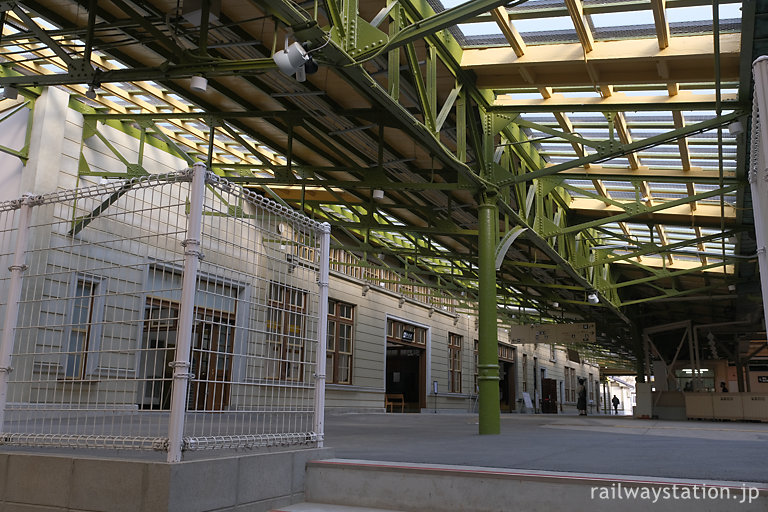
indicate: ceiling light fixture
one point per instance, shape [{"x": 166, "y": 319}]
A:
[
  {"x": 378, "y": 194},
  {"x": 90, "y": 93},
  {"x": 295, "y": 60},
  {"x": 198, "y": 83}
]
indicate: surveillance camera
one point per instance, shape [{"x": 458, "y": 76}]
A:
[{"x": 592, "y": 298}]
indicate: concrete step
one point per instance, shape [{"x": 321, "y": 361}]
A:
[
  {"x": 324, "y": 507},
  {"x": 410, "y": 487}
]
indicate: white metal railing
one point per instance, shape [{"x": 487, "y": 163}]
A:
[{"x": 174, "y": 312}]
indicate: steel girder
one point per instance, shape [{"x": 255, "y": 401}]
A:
[{"x": 543, "y": 205}]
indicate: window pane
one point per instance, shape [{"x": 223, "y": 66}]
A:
[
  {"x": 75, "y": 349},
  {"x": 345, "y": 311},
  {"x": 331, "y": 335},
  {"x": 329, "y": 370},
  {"x": 344, "y": 374},
  {"x": 345, "y": 338}
]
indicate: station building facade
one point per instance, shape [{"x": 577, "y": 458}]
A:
[{"x": 383, "y": 339}]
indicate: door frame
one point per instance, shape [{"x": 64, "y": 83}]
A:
[{"x": 425, "y": 363}]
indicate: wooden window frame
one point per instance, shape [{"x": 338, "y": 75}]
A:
[
  {"x": 283, "y": 307},
  {"x": 454, "y": 362},
  {"x": 525, "y": 373},
  {"x": 336, "y": 322},
  {"x": 90, "y": 329}
]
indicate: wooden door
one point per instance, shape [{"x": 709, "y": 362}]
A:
[{"x": 549, "y": 396}]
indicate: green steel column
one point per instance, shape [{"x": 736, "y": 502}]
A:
[{"x": 488, "y": 355}]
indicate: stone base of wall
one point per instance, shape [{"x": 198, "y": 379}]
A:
[{"x": 74, "y": 483}]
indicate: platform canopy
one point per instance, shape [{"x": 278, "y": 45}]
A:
[{"x": 612, "y": 135}]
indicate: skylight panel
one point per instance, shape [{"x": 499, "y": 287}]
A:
[
  {"x": 622, "y": 20},
  {"x": 647, "y": 92},
  {"x": 521, "y": 95},
  {"x": 44, "y": 24},
  {"x": 480, "y": 29},
  {"x": 623, "y": 195},
  {"x": 581, "y": 94},
  {"x": 556, "y": 147},
  {"x": 623, "y": 162},
  {"x": 580, "y": 183},
  {"x": 664, "y": 163},
  {"x": 51, "y": 68},
  {"x": 540, "y": 117},
  {"x": 648, "y": 114},
  {"x": 594, "y": 133},
  {"x": 702, "y": 13},
  {"x": 544, "y": 24}
]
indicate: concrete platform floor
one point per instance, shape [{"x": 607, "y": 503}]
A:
[
  {"x": 324, "y": 507},
  {"x": 617, "y": 445}
]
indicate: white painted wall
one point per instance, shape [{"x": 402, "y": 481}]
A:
[{"x": 13, "y": 133}]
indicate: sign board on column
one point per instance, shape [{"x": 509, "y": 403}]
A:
[{"x": 562, "y": 334}]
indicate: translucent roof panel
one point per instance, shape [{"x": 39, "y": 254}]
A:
[
  {"x": 702, "y": 13},
  {"x": 480, "y": 29},
  {"x": 531, "y": 26},
  {"x": 622, "y": 19}
]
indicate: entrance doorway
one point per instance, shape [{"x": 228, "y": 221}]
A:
[
  {"x": 549, "y": 396},
  {"x": 506, "y": 378},
  {"x": 406, "y": 365},
  {"x": 406, "y": 376}
]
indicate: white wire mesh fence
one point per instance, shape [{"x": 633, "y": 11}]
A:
[{"x": 135, "y": 321}]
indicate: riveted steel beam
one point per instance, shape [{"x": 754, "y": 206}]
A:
[
  {"x": 439, "y": 21},
  {"x": 210, "y": 68},
  {"x": 306, "y": 29}
]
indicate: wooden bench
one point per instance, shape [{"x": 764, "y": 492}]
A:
[{"x": 392, "y": 400}]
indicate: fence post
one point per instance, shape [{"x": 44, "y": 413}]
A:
[
  {"x": 181, "y": 366},
  {"x": 758, "y": 171},
  {"x": 14, "y": 296},
  {"x": 322, "y": 333}
]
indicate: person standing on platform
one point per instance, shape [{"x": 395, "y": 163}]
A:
[
  {"x": 615, "y": 401},
  {"x": 581, "y": 402}
]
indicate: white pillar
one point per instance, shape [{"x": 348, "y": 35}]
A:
[
  {"x": 758, "y": 172},
  {"x": 43, "y": 172},
  {"x": 14, "y": 296},
  {"x": 322, "y": 333},
  {"x": 192, "y": 256}
]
